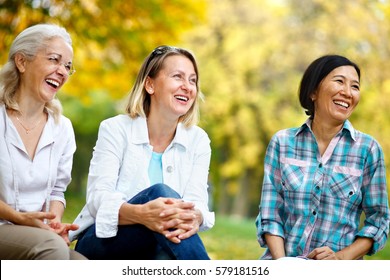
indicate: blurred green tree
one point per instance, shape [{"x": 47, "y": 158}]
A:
[
  {"x": 110, "y": 40},
  {"x": 252, "y": 55}
]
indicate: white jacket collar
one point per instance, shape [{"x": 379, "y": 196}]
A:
[{"x": 141, "y": 136}]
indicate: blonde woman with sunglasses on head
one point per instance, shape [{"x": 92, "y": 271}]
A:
[
  {"x": 37, "y": 144},
  {"x": 147, "y": 186}
]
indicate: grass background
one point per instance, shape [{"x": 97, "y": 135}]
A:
[{"x": 229, "y": 239}]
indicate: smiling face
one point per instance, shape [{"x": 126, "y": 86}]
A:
[
  {"x": 337, "y": 96},
  {"x": 46, "y": 73},
  {"x": 173, "y": 90}
]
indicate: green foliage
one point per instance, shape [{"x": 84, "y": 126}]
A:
[
  {"x": 110, "y": 41},
  {"x": 251, "y": 57},
  {"x": 251, "y": 63},
  {"x": 86, "y": 115},
  {"x": 110, "y": 38},
  {"x": 232, "y": 239}
]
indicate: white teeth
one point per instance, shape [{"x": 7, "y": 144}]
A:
[
  {"x": 181, "y": 98},
  {"x": 54, "y": 83},
  {"x": 341, "y": 103}
]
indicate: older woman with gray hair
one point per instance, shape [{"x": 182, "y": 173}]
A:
[{"x": 37, "y": 144}]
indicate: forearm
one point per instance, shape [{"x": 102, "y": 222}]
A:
[
  {"x": 57, "y": 207},
  {"x": 34, "y": 219},
  {"x": 275, "y": 245},
  {"x": 8, "y": 213},
  {"x": 130, "y": 214},
  {"x": 360, "y": 247}
]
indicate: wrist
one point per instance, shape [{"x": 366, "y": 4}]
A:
[
  {"x": 339, "y": 255},
  {"x": 199, "y": 216},
  {"x": 278, "y": 255},
  {"x": 130, "y": 214},
  {"x": 17, "y": 218}
]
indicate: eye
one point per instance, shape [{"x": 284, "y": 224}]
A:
[
  {"x": 193, "y": 81},
  {"x": 54, "y": 59},
  {"x": 356, "y": 87},
  {"x": 68, "y": 67}
]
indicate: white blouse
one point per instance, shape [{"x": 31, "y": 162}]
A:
[
  {"x": 28, "y": 185},
  {"x": 119, "y": 170}
]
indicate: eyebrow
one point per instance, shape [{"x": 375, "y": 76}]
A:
[{"x": 60, "y": 55}]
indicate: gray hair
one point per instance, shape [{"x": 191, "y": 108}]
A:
[{"x": 29, "y": 42}]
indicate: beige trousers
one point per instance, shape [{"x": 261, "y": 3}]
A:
[{"x": 30, "y": 243}]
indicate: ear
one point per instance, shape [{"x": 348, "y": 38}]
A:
[
  {"x": 20, "y": 62},
  {"x": 313, "y": 96},
  {"x": 149, "y": 85}
]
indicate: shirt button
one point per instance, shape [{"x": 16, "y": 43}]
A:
[
  {"x": 320, "y": 165},
  {"x": 317, "y": 188},
  {"x": 170, "y": 169},
  {"x": 314, "y": 212}
]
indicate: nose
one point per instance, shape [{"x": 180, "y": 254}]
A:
[
  {"x": 61, "y": 68},
  {"x": 188, "y": 86},
  {"x": 347, "y": 91}
]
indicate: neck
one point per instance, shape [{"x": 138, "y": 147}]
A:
[
  {"x": 161, "y": 133},
  {"x": 28, "y": 116},
  {"x": 324, "y": 133},
  {"x": 323, "y": 130},
  {"x": 29, "y": 108}
]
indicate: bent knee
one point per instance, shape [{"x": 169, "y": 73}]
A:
[
  {"x": 163, "y": 190},
  {"x": 51, "y": 247}
]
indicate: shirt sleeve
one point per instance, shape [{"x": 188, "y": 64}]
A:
[
  {"x": 197, "y": 190},
  {"x": 375, "y": 200},
  {"x": 103, "y": 201},
  {"x": 269, "y": 219},
  {"x": 64, "y": 168}
]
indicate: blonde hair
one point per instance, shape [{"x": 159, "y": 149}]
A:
[
  {"x": 139, "y": 100},
  {"x": 29, "y": 42}
]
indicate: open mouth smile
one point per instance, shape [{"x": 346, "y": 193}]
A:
[
  {"x": 181, "y": 98},
  {"x": 52, "y": 83},
  {"x": 342, "y": 104}
]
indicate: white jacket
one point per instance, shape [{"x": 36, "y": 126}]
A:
[{"x": 119, "y": 170}]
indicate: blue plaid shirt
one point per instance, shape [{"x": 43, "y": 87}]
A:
[{"x": 313, "y": 201}]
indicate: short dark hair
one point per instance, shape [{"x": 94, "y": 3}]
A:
[{"x": 315, "y": 73}]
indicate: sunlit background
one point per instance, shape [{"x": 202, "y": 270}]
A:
[{"x": 251, "y": 55}]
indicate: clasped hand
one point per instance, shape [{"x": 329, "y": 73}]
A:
[{"x": 174, "y": 218}]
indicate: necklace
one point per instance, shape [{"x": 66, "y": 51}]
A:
[{"x": 28, "y": 130}]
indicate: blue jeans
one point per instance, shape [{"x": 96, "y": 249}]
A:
[{"x": 137, "y": 242}]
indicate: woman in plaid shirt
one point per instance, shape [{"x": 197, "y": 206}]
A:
[{"x": 319, "y": 178}]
